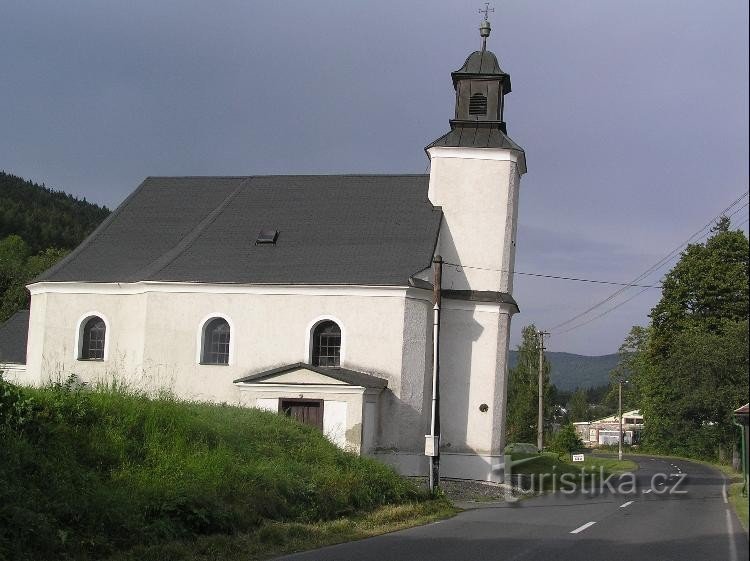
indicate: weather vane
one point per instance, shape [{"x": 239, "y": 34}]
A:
[
  {"x": 484, "y": 27},
  {"x": 486, "y": 11}
]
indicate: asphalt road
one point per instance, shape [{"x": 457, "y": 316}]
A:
[{"x": 685, "y": 517}]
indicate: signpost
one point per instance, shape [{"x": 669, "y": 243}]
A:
[{"x": 578, "y": 457}]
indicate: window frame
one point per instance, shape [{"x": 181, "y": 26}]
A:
[
  {"x": 80, "y": 336},
  {"x": 310, "y": 341},
  {"x": 201, "y": 338}
]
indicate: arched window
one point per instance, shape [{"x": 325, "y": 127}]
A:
[
  {"x": 93, "y": 339},
  {"x": 216, "y": 342},
  {"x": 478, "y": 104},
  {"x": 326, "y": 342}
]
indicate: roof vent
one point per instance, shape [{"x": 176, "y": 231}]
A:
[{"x": 267, "y": 236}]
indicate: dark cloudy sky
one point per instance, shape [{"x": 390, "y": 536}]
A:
[{"x": 634, "y": 114}]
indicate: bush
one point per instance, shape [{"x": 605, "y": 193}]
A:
[
  {"x": 521, "y": 448},
  {"x": 566, "y": 440},
  {"x": 15, "y": 409}
]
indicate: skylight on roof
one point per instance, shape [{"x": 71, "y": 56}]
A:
[{"x": 267, "y": 236}]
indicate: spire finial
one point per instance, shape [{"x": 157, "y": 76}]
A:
[{"x": 484, "y": 27}]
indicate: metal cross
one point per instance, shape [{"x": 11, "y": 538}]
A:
[{"x": 487, "y": 10}]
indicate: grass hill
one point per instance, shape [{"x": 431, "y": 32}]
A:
[
  {"x": 43, "y": 217},
  {"x": 571, "y": 371},
  {"x": 103, "y": 474}
]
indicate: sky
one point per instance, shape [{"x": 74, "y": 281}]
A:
[{"x": 633, "y": 115}]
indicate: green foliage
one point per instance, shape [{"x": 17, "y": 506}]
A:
[
  {"x": 38, "y": 226},
  {"x": 566, "y": 440},
  {"x": 17, "y": 267},
  {"x": 43, "y": 217},
  {"x": 690, "y": 367},
  {"x": 706, "y": 288},
  {"x": 579, "y": 406},
  {"x": 16, "y": 409},
  {"x": 93, "y": 472},
  {"x": 690, "y": 393},
  {"x": 523, "y": 390}
]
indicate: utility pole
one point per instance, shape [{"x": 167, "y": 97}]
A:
[
  {"x": 432, "y": 440},
  {"x": 540, "y": 417},
  {"x": 619, "y": 413}
]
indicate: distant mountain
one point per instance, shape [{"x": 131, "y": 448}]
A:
[
  {"x": 44, "y": 217},
  {"x": 570, "y": 371}
]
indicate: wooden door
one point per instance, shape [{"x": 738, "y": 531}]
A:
[{"x": 308, "y": 411}]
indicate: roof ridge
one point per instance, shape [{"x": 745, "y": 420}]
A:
[
  {"x": 90, "y": 238},
  {"x": 184, "y": 244}
]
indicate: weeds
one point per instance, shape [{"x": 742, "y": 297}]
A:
[{"x": 89, "y": 471}]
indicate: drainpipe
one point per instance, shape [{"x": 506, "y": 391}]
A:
[{"x": 432, "y": 441}]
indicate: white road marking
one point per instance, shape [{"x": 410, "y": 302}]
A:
[
  {"x": 647, "y": 491},
  {"x": 724, "y": 492},
  {"x": 732, "y": 544},
  {"x": 582, "y": 528},
  {"x": 626, "y": 504}
]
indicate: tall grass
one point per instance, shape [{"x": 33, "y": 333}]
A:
[{"x": 90, "y": 472}]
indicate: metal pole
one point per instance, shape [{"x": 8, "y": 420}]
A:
[
  {"x": 434, "y": 475},
  {"x": 619, "y": 408},
  {"x": 540, "y": 414}
]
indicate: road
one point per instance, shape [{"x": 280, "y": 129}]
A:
[{"x": 693, "y": 522}]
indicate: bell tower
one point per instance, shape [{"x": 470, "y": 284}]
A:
[
  {"x": 474, "y": 177},
  {"x": 475, "y": 174}
]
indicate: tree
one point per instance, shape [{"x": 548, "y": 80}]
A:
[
  {"x": 566, "y": 440},
  {"x": 690, "y": 367},
  {"x": 708, "y": 286},
  {"x": 17, "y": 268},
  {"x": 579, "y": 406},
  {"x": 523, "y": 384}
]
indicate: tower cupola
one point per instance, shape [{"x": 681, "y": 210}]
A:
[
  {"x": 481, "y": 86},
  {"x": 479, "y": 118}
]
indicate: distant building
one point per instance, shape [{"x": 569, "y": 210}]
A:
[{"x": 605, "y": 431}]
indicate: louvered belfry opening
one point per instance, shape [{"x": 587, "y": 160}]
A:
[{"x": 478, "y": 104}]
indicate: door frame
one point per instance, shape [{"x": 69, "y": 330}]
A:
[{"x": 301, "y": 400}]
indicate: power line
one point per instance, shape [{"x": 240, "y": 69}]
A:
[
  {"x": 556, "y": 277},
  {"x": 613, "y": 308},
  {"x": 659, "y": 264}
]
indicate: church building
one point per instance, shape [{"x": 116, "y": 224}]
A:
[{"x": 311, "y": 296}]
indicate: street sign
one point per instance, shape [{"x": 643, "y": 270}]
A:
[{"x": 577, "y": 457}]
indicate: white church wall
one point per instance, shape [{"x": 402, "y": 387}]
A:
[
  {"x": 54, "y": 336},
  {"x": 335, "y": 421},
  {"x": 407, "y": 401},
  {"x": 477, "y": 189},
  {"x": 473, "y": 381},
  {"x": 153, "y": 344}
]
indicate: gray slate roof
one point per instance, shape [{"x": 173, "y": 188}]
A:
[
  {"x": 484, "y": 63},
  {"x": 477, "y": 134},
  {"x": 354, "y": 229},
  {"x": 14, "y": 334},
  {"x": 352, "y": 377}
]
